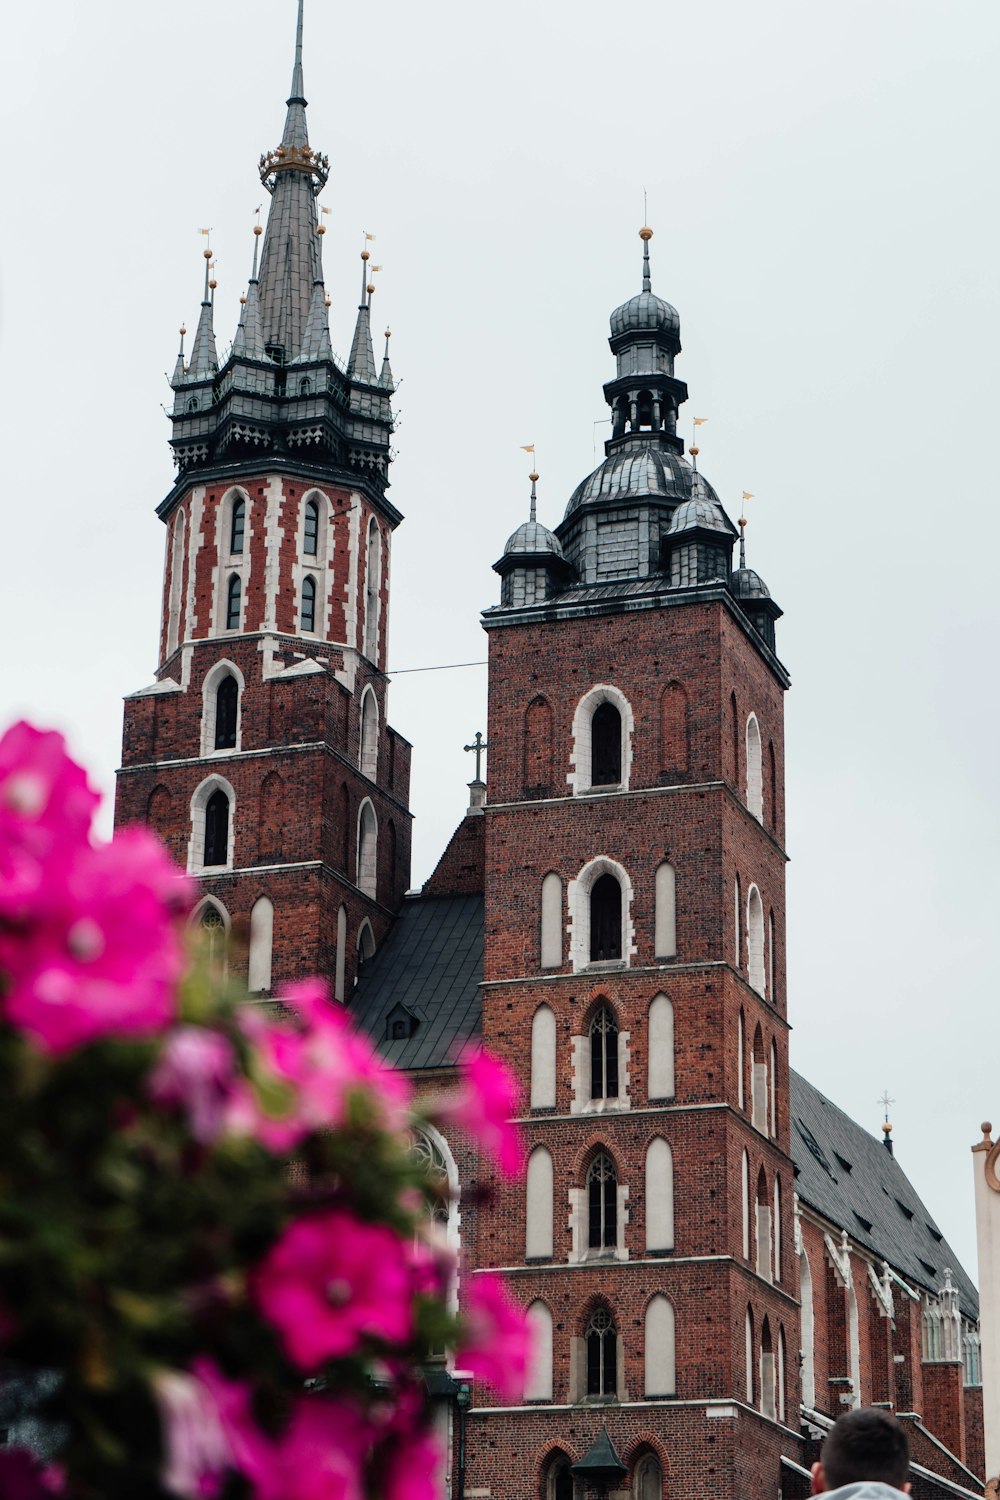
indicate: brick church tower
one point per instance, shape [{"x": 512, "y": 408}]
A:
[
  {"x": 634, "y": 976},
  {"x": 261, "y": 753}
]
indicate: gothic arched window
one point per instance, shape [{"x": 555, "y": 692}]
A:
[
  {"x": 310, "y": 538},
  {"x": 606, "y": 746},
  {"x": 604, "y": 1055},
  {"x": 213, "y": 931},
  {"x": 217, "y": 829},
  {"x": 602, "y": 1204},
  {"x": 605, "y": 919},
  {"x": 648, "y": 1479},
  {"x": 227, "y": 700},
  {"x": 373, "y": 570},
  {"x": 308, "y": 621},
  {"x": 602, "y": 1354},
  {"x": 237, "y": 526},
  {"x": 234, "y": 594}
]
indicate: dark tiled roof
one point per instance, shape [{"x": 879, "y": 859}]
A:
[
  {"x": 428, "y": 971},
  {"x": 431, "y": 965},
  {"x": 849, "y": 1177}
]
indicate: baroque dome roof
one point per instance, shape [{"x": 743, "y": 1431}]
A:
[
  {"x": 530, "y": 539},
  {"x": 634, "y": 472},
  {"x": 702, "y": 509},
  {"x": 747, "y": 584},
  {"x": 643, "y": 312}
]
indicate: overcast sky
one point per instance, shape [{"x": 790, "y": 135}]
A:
[{"x": 821, "y": 180}]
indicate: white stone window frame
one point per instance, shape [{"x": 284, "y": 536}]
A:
[
  {"x": 756, "y": 970},
  {"x": 227, "y": 573},
  {"x": 314, "y": 565},
  {"x": 373, "y": 628},
  {"x": 261, "y": 949},
  {"x": 578, "y": 901},
  {"x": 368, "y": 755},
  {"x": 453, "y": 1228},
  {"x": 538, "y": 1384},
  {"x": 367, "y": 888},
  {"x": 755, "y": 768},
  {"x": 579, "y": 777},
  {"x": 230, "y": 563},
  {"x": 196, "y": 842},
  {"x": 212, "y": 903},
  {"x": 176, "y": 554},
  {"x": 579, "y": 1216},
  {"x": 227, "y": 505},
  {"x": 581, "y": 1101},
  {"x": 209, "y": 689}
]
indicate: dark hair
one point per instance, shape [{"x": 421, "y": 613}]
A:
[{"x": 865, "y": 1444}]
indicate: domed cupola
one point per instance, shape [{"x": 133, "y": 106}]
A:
[
  {"x": 699, "y": 540},
  {"x": 532, "y": 567},
  {"x": 644, "y": 396},
  {"x": 754, "y": 596},
  {"x": 645, "y": 313}
]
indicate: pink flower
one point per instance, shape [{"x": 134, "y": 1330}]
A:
[
  {"x": 487, "y": 1097},
  {"x": 46, "y": 807},
  {"x": 197, "y": 1069},
  {"x": 320, "y": 1456},
  {"x": 23, "y": 1477},
  {"x": 413, "y": 1469},
  {"x": 196, "y": 1450},
  {"x": 248, "y": 1449},
  {"x": 105, "y": 956},
  {"x": 333, "y": 1281},
  {"x": 496, "y": 1344}
]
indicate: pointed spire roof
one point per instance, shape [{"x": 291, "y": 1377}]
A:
[
  {"x": 179, "y": 368},
  {"x": 385, "y": 378},
  {"x": 293, "y": 174},
  {"x": 316, "y": 339},
  {"x": 204, "y": 359},
  {"x": 361, "y": 367}
]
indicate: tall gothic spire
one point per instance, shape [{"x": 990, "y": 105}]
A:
[
  {"x": 204, "y": 360},
  {"x": 293, "y": 174},
  {"x": 361, "y": 367}
]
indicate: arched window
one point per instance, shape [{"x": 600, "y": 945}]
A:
[
  {"x": 344, "y": 816},
  {"x": 602, "y": 1354},
  {"x": 308, "y": 613},
  {"x": 369, "y": 734},
  {"x": 604, "y": 1055},
  {"x": 674, "y": 730},
  {"x": 237, "y": 525},
  {"x": 373, "y": 568},
  {"x": 777, "y": 1228},
  {"x": 772, "y": 1083},
  {"x": 602, "y": 1204},
  {"x": 305, "y": 386},
  {"x": 538, "y": 1386},
  {"x": 780, "y": 1363},
  {"x": 648, "y": 1478},
  {"x": 768, "y": 1385},
  {"x": 734, "y": 724},
  {"x": 745, "y": 1202},
  {"x": 755, "y": 941},
  {"x": 217, "y": 829},
  {"x": 758, "y": 1084},
  {"x": 738, "y": 952},
  {"x": 605, "y": 919},
  {"x": 551, "y": 925},
  {"x": 234, "y": 593},
  {"x": 808, "y": 1335},
  {"x": 741, "y": 1047},
  {"x": 665, "y": 912},
  {"x": 659, "y": 1196},
  {"x": 659, "y": 1357},
  {"x": 606, "y": 746},
  {"x": 176, "y": 582},
  {"x": 749, "y": 1355},
  {"x": 367, "y": 849},
  {"x": 770, "y": 958},
  {"x": 214, "y": 931},
  {"x": 755, "y": 792},
  {"x": 660, "y": 1079},
  {"x": 261, "y": 940},
  {"x": 538, "y": 747},
  {"x": 538, "y": 1206},
  {"x": 543, "y": 1059},
  {"x": 341, "y": 960},
  {"x": 227, "y": 702},
  {"x": 310, "y": 530},
  {"x": 763, "y": 1228},
  {"x": 366, "y": 943},
  {"x": 559, "y": 1479},
  {"x": 773, "y": 780}
]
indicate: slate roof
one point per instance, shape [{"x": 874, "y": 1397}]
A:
[
  {"x": 431, "y": 965},
  {"x": 850, "y": 1178}
]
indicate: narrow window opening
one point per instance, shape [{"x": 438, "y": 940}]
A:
[
  {"x": 226, "y": 706},
  {"x": 217, "y": 829},
  {"x": 602, "y": 1354},
  {"x": 602, "y": 1204},
  {"x": 310, "y": 541},
  {"x": 605, "y": 920},
  {"x": 233, "y": 598},
  {"x": 606, "y": 746},
  {"x": 213, "y": 930},
  {"x": 237, "y": 526},
  {"x": 604, "y": 1055},
  {"x": 309, "y": 603}
]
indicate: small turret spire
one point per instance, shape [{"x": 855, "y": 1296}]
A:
[
  {"x": 316, "y": 339},
  {"x": 295, "y": 133},
  {"x": 179, "y": 366},
  {"x": 532, "y": 514},
  {"x": 646, "y": 234},
  {"x": 385, "y": 378},
  {"x": 361, "y": 366},
  {"x": 249, "y": 340},
  {"x": 204, "y": 360},
  {"x": 743, "y": 541}
]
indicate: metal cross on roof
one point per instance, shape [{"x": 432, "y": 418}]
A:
[
  {"x": 885, "y": 1102},
  {"x": 478, "y": 745}
]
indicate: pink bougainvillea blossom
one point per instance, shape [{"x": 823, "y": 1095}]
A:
[
  {"x": 487, "y": 1097},
  {"x": 197, "y": 1070},
  {"x": 105, "y": 956},
  {"x": 413, "y": 1468},
  {"x": 248, "y": 1449},
  {"x": 320, "y": 1456},
  {"x": 195, "y": 1447},
  {"x": 333, "y": 1281},
  {"x": 46, "y": 807},
  {"x": 496, "y": 1344}
]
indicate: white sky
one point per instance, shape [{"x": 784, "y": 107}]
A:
[{"x": 821, "y": 179}]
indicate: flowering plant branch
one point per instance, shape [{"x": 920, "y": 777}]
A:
[{"x": 214, "y": 1231}]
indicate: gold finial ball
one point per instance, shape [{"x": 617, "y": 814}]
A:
[
  {"x": 212, "y": 283},
  {"x": 694, "y": 452},
  {"x": 388, "y": 333},
  {"x": 243, "y": 302},
  {"x": 207, "y": 253},
  {"x": 987, "y": 1127},
  {"x": 327, "y": 301},
  {"x": 321, "y": 229},
  {"x": 645, "y": 233},
  {"x": 182, "y": 330},
  {"x": 533, "y": 476},
  {"x": 365, "y": 255},
  {"x": 371, "y": 287},
  {"x": 887, "y": 1128},
  {"x": 743, "y": 520},
  {"x": 258, "y": 229}
]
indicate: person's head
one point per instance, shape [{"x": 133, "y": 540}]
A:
[{"x": 863, "y": 1444}]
